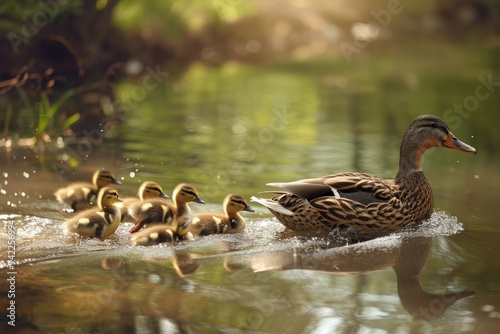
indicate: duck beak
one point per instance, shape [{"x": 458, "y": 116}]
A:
[
  {"x": 454, "y": 143},
  {"x": 119, "y": 199},
  {"x": 164, "y": 195},
  {"x": 248, "y": 208},
  {"x": 115, "y": 181},
  {"x": 199, "y": 200}
]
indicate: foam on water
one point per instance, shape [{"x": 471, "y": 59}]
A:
[
  {"x": 44, "y": 238},
  {"x": 439, "y": 224}
]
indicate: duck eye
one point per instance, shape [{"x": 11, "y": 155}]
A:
[{"x": 434, "y": 125}]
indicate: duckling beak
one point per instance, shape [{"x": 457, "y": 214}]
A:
[
  {"x": 199, "y": 200},
  {"x": 119, "y": 199},
  {"x": 115, "y": 181},
  {"x": 164, "y": 195},
  {"x": 454, "y": 143},
  {"x": 248, "y": 208}
]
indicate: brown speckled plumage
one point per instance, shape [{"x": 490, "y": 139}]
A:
[{"x": 362, "y": 206}]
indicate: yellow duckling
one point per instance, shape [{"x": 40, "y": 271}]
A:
[
  {"x": 98, "y": 222},
  {"x": 362, "y": 206},
  {"x": 212, "y": 223},
  {"x": 82, "y": 195},
  {"x": 154, "y": 235},
  {"x": 147, "y": 190},
  {"x": 176, "y": 215}
]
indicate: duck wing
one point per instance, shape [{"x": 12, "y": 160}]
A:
[
  {"x": 359, "y": 187},
  {"x": 307, "y": 189}
]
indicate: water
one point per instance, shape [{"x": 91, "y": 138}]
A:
[{"x": 234, "y": 129}]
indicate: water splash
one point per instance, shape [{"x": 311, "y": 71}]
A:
[{"x": 440, "y": 223}]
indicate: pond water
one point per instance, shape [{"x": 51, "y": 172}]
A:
[{"x": 232, "y": 129}]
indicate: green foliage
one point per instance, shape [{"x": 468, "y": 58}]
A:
[
  {"x": 173, "y": 17},
  {"x": 42, "y": 113},
  {"x": 17, "y": 13}
]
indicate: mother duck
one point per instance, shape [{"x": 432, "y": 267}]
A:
[{"x": 361, "y": 206}]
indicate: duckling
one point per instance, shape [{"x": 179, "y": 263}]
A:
[
  {"x": 230, "y": 222},
  {"x": 82, "y": 195},
  {"x": 98, "y": 222},
  {"x": 177, "y": 215},
  {"x": 147, "y": 190},
  {"x": 154, "y": 235}
]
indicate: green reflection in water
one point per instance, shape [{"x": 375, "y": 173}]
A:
[{"x": 235, "y": 128}]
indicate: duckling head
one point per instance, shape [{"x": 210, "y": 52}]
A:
[
  {"x": 185, "y": 193},
  {"x": 102, "y": 178},
  {"x": 151, "y": 190},
  {"x": 107, "y": 196},
  {"x": 235, "y": 203}
]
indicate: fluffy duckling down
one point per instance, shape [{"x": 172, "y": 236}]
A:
[
  {"x": 147, "y": 190},
  {"x": 230, "y": 222},
  {"x": 83, "y": 195},
  {"x": 176, "y": 215},
  {"x": 98, "y": 222}
]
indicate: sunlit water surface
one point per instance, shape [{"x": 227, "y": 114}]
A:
[{"x": 234, "y": 129}]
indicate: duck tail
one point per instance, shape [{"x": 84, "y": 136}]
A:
[{"x": 272, "y": 205}]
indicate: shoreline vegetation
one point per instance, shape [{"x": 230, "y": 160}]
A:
[{"x": 63, "y": 58}]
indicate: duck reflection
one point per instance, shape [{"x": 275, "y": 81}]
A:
[
  {"x": 406, "y": 255},
  {"x": 167, "y": 291}
]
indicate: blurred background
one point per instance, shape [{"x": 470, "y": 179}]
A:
[{"x": 82, "y": 50}]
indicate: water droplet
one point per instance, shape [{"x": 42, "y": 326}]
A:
[
  {"x": 153, "y": 278},
  {"x": 239, "y": 128},
  {"x": 26, "y": 175},
  {"x": 488, "y": 308},
  {"x": 132, "y": 174},
  {"x": 5, "y": 174}
]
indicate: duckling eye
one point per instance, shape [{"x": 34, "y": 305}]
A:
[{"x": 434, "y": 125}]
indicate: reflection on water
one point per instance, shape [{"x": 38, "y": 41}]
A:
[{"x": 252, "y": 281}]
